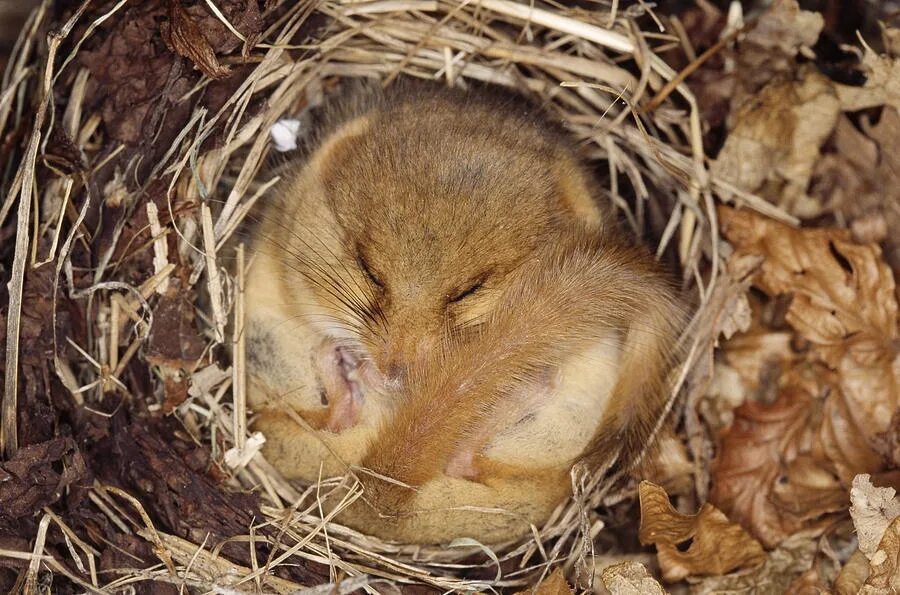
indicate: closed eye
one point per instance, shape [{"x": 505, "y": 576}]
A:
[
  {"x": 458, "y": 297},
  {"x": 368, "y": 272}
]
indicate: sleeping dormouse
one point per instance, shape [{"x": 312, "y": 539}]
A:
[{"x": 440, "y": 296}]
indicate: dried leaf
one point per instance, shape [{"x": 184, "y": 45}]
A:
[
  {"x": 759, "y": 356},
  {"x": 668, "y": 464},
  {"x": 890, "y": 37},
  {"x": 872, "y": 511},
  {"x": 726, "y": 392},
  {"x": 717, "y": 546},
  {"x": 853, "y": 575},
  {"x": 785, "y": 466},
  {"x": 630, "y": 578},
  {"x": 886, "y": 443},
  {"x": 787, "y": 28},
  {"x": 185, "y": 37},
  {"x": 555, "y": 584},
  {"x": 720, "y": 313},
  {"x": 774, "y": 143},
  {"x": 808, "y": 583},
  {"x": 884, "y": 565},
  {"x": 860, "y": 181},
  {"x": 783, "y": 565},
  {"x": 882, "y": 84},
  {"x": 764, "y": 475},
  {"x": 765, "y": 53},
  {"x": 843, "y": 303}
]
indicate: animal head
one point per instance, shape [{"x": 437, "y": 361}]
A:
[{"x": 405, "y": 222}]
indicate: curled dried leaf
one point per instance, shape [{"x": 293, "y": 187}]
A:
[
  {"x": 882, "y": 84},
  {"x": 786, "y": 465},
  {"x": 668, "y": 464},
  {"x": 853, "y": 575},
  {"x": 843, "y": 303},
  {"x": 555, "y": 584},
  {"x": 716, "y": 545},
  {"x": 884, "y": 565},
  {"x": 790, "y": 560},
  {"x": 787, "y": 28},
  {"x": 185, "y": 37},
  {"x": 775, "y": 139},
  {"x": 765, "y": 475}
]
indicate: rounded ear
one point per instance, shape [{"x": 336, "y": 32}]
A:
[
  {"x": 329, "y": 157},
  {"x": 577, "y": 193}
]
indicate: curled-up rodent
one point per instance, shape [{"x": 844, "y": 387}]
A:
[{"x": 440, "y": 304}]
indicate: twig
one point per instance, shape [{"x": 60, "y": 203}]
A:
[
  {"x": 693, "y": 66},
  {"x": 36, "y": 556},
  {"x": 160, "y": 246},
  {"x": 8, "y": 432},
  {"x": 214, "y": 283},
  {"x": 239, "y": 361}
]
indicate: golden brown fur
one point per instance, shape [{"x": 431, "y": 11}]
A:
[{"x": 439, "y": 297}]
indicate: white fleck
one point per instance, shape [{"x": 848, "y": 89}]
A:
[
  {"x": 284, "y": 134},
  {"x": 239, "y": 457}
]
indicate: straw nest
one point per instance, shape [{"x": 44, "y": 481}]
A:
[{"x": 135, "y": 142}]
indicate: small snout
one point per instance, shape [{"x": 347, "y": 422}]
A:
[
  {"x": 400, "y": 354},
  {"x": 394, "y": 365},
  {"x": 396, "y": 372}
]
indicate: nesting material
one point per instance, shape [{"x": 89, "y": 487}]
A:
[{"x": 129, "y": 189}]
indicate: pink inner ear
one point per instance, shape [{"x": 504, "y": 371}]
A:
[
  {"x": 344, "y": 411},
  {"x": 345, "y": 396}
]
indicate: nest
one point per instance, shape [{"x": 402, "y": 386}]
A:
[{"x": 136, "y": 140}]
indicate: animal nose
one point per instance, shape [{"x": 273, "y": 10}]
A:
[
  {"x": 401, "y": 354},
  {"x": 392, "y": 366},
  {"x": 395, "y": 372}
]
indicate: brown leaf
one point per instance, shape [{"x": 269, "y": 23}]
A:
[
  {"x": 886, "y": 443},
  {"x": 790, "y": 560},
  {"x": 890, "y": 37},
  {"x": 555, "y": 584},
  {"x": 853, "y": 575},
  {"x": 808, "y": 583},
  {"x": 722, "y": 312},
  {"x": 774, "y": 142},
  {"x": 668, "y": 464},
  {"x": 786, "y": 28},
  {"x": 764, "y": 475},
  {"x": 884, "y": 565},
  {"x": 843, "y": 303},
  {"x": 630, "y": 578},
  {"x": 785, "y": 465},
  {"x": 859, "y": 180},
  {"x": 759, "y": 356},
  {"x": 185, "y": 37},
  {"x": 882, "y": 84},
  {"x": 717, "y": 546}
]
